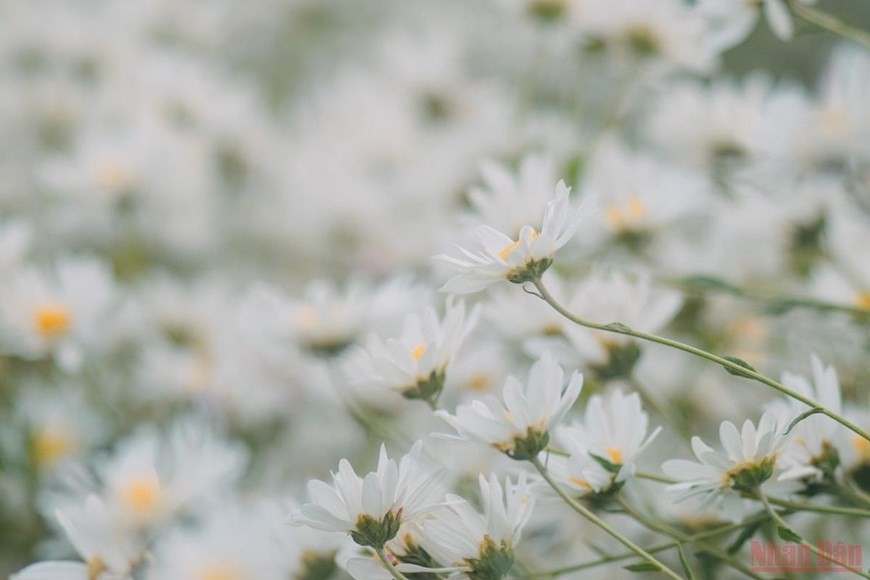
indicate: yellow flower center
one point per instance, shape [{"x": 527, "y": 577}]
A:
[
  {"x": 862, "y": 300},
  {"x": 834, "y": 121},
  {"x": 49, "y": 446},
  {"x": 580, "y": 483},
  {"x": 614, "y": 454},
  {"x": 112, "y": 175},
  {"x": 509, "y": 249},
  {"x": 94, "y": 567},
  {"x": 862, "y": 446},
  {"x": 480, "y": 382},
  {"x": 624, "y": 217},
  {"x": 419, "y": 351},
  {"x": 142, "y": 495},
  {"x": 220, "y": 572},
  {"x": 52, "y": 321}
]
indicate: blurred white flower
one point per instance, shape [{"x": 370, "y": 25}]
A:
[
  {"x": 604, "y": 446},
  {"x": 62, "y": 311},
  {"x": 416, "y": 363}
]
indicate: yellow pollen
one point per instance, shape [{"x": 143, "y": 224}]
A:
[
  {"x": 480, "y": 382},
  {"x": 862, "y": 300},
  {"x": 624, "y": 217},
  {"x": 112, "y": 175},
  {"x": 418, "y": 352},
  {"x": 862, "y": 446},
  {"x": 508, "y": 250},
  {"x": 220, "y": 572},
  {"x": 614, "y": 454},
  {"x": 580, "y": 483},
  {"x": 49, "y": 446},
  {"x": 52, "y": 320},
  {"x": 141, "y": 495},
  {"x": 95, "y": 567}
]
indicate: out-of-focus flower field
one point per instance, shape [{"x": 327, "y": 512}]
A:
[{"x": 321, "y": 289}]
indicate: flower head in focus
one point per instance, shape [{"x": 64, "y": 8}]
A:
[
  {"x": 519, "y": 260},
  {"x": 749, "y": 460},
  {"x": 459, "y": 539},
  {"x": 371, "y": 509},
  {"x": 520, "y": 424}
]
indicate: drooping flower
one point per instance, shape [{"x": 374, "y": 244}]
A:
[{"x": 519, "y": 425}]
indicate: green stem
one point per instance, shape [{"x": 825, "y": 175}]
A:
[
  {"x": 382, "y": 556},
  {"x": 681, "y": 537},
  {"x": 791, "y": 505},
  {"x": 822, "y": 509},
  {"x": 781, "y": 523},
  {"x": 730, "y": 365},
  {"x": 830, "y": 23},
  {"x": 721, "y": 530},
  {"x": 702, "y": 285},
  {"x": 655, "y": 477},
  {"x": 580, "y": 509}
]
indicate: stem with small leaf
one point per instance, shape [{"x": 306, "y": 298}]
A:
[
  {"x": 733, "y": 367},
  {"x": 786, "y": 533}
]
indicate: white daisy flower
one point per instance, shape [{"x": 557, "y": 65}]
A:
[
  {"x": 461, "y": 537},
  {"x": 460, "y": 540},
  {"x": 109, "y": 551},
  {"x": 811, "y": 451},
  {"x": 502, "y": 258},
  {"x": 61, "y": 312},
  {"x": 749, "y": 460},
  {"x": 519, "y": 425},
  {"x": 606, "y": 444},
  {"x": 371, "y": 509},
  {"x": 414, "y": 364}
]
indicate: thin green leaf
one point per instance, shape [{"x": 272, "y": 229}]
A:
[{"x": 685, "y": 563}]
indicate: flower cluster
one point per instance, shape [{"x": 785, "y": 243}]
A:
[{"x": 322, "y": 289}]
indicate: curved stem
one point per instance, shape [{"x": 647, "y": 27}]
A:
[
  {"x": 580, "y": 509},
  {"x": 830, "y": 23},
  {"x": 385, "y": 560},
  {"x": 821, "y": 554},
  {"x": 730, "y": 365},
  {"x": 658, "y": 548},
  {"x": 822, "y": 509},
  {"x": 791, "y": 505},
  {"x": 681, "y": 537}
]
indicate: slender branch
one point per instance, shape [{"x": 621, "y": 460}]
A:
[
  {"x": 821, "y": 554},
  {"x": 701, "y": 285},
  {"x": 382, "y": 556},
  {"x": 655, "y": 477},
  {"x": 711, "y": 533},
  {"x": 822, "y": 509},
  {"x": 730, "y": 365},
  {"x": 580, "y": 509},
  {"x": 791, "y": 505},
  {"x": 681, "y": 537},
  {"x": 830, "y": 23}
]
